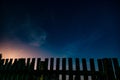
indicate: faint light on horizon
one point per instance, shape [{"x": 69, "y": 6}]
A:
[{"x": 19, "y": 50}]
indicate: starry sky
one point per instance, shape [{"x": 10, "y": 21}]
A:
[{"x": 84, "y": 29}]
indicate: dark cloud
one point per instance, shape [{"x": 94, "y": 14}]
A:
[{"x": 25, "y": 32}]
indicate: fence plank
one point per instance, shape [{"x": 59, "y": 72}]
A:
[
  {"x": 57, "y": 64},
  {"x": 42, "y": 68},
  {"x": 38, "y": 68},
  {"x": 6, "y": 64},
  {"x": 77, "y": 62},
  {"x": 15, "y": 65},
  {"x": 52, "y": 74},
  {"x": 46, "y": 63},
  {"x": 92, "y": 67},
  {"x": 2, "y": 75},
  {"x": 51, "y": 64},
  {"x": 15, "y": 68},
  {"x": 100, "y": 68},
  {"x": 105, "y": 68},
  {"x": 32, "y": 65},
  {"x": 38, "y": 64},
  {"x": 84, "y": 64},
  {"x": 109, "y": 74},
  {"x": 45, "y": 76},
  {"x": 117, "y": 68},
  {"x": 70, "y": 68},
  {"x": 63, "y": 68},
  {"x": 21, "y": 64},
  {"x": 28, "y": 64},
  {"x": 57, "y": 68},
  {"x": 10, "y": 64},
  {"x": 10, "y": 69},
  {"x": 110, "y": 69}
]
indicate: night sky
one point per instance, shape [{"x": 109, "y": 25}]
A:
[{"x": 84, "y": 29}]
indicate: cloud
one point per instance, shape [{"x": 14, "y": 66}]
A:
[
  {"x": 37, "y": 40},
  {"x": 26, "y": 32}
]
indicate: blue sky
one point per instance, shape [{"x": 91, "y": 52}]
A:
[{"x": 60, "y": 29}]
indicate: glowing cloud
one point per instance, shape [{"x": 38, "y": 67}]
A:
[{"x": 19, "y": 50}]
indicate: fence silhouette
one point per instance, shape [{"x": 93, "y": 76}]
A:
[{"x": 59, "y": 69}]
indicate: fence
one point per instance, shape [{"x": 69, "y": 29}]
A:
[{"x": 59, "y": 69}]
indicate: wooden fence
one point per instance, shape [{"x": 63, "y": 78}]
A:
[{"x": 59, "y": 69}]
